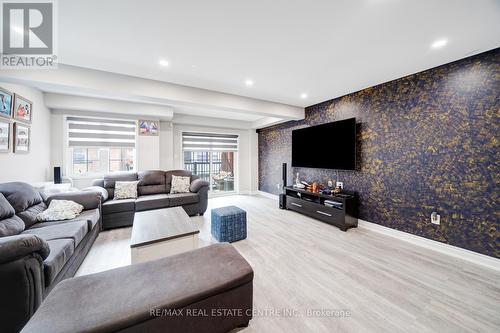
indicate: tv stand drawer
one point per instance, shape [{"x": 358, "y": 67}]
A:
[{"x": 315, "y": 210}]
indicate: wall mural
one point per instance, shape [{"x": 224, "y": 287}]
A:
[{"x": 426, "y": 142}]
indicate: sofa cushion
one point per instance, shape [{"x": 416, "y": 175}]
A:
[
  {"x": 151, "y": 182},
  {"x": 6, "y": 209},
  {"x": 91, "y": 216},
  {"x": 29, "y": 215},
  {"x": 60, "y": 252},
  {"x": 75, "y": 230},
  {"x": 60, "y": 210},
  {"x": 111, "y": 179},
  {"x": 11, "y": 226},
  {"x": 181, "y": 173},
  {"x": 9, "y": 223},
  {"x": 20, "y": 195},
  {"x": 153, "y": 201},
  {"x": 118, "y": 206},
  {"x": 179, "y": 199}
]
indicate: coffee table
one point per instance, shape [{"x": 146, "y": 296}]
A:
[{"x": 161, "y": 233}]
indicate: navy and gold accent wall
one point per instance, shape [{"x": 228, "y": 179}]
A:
[{"x": 426, "y": 142}]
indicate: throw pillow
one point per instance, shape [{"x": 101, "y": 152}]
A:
[
  {"x": 126, "y": 190},
  {"x": 60, "y": 210},
  {"x": 180, "y": 184}
]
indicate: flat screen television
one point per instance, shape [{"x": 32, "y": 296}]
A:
[{"x": 327, "y": 146}]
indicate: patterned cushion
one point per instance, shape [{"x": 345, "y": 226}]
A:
[
  {"x": 126, "y": 190},
  {"x": 180, "y": 184},
  {"x": 229, "y": 224},
  {"x": 60, "y": 210}
]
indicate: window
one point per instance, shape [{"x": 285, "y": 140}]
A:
[
  {"x": 212, "y": 158},
  {"x": 121, "y": 159},
  {"x": 100, "y": 145}
]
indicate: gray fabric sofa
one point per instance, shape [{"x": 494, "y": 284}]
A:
[
  {"x": 35, "y": 256},
  {"x": 205, "y": 290},
  {"x": 153, "y": 193}
]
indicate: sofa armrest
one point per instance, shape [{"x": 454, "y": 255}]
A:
[
  {"x": 197, "y": 184},
  {"x": 21, "y": 279},
  {"x": 98, "y": 182},
  {"x": 18, "y": 246},
  {"x": 89, "y": 200},
  {"x": 101, "y": 190}
]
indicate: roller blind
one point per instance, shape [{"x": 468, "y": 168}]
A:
[
  {"x": 92, "y": 132},
  {"x": 208, "y": 141}
]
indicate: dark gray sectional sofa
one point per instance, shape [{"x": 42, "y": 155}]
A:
[
  {"x": 35, "y": 256},
  {"x": 153, "y": 193}
]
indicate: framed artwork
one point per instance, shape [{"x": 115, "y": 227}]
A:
[
  {"x": 23, "y": 109},
  {"x": 21, "y": 138},
  {"x": 5, "y": 103},
  {"x": 4, "y": 136},
  {"x": 148, "y": 127}
]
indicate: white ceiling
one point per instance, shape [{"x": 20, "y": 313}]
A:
[{"x": 323, "y": 48}]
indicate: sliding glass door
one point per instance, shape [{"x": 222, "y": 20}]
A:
[
  {"x": 212, "y": 158},
  {"x": 217, "y": 168}
]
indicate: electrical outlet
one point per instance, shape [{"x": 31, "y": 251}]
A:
[
  {"x": 340, "y": 184},
  {"x": 435, "y": 218}
]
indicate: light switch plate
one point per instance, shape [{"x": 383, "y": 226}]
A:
[
  {"x": 435, "y": 218},
  {"x": 340, "y": 184}
]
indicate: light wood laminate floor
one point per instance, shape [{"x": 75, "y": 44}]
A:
[{"x": 300, "y": 264}]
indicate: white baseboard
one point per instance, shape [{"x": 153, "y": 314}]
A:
[
  {"x": 267, "y": 195},
  {"x": 453, "y": 251}
]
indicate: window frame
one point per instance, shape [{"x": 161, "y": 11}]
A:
[
  {"x": 235, "y": 160},
  {"x": 68, "y": 152},
  {"x": 105, "y": 167}
]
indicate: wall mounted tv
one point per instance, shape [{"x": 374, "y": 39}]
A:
[{"x": 327, "y": 146}]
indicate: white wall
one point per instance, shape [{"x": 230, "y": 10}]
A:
[
  {"x": 166, "y": 146},
  {"x": 35, "y": 165},
  {"x": 148, "y": 153}
]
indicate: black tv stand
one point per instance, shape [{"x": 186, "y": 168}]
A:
[{"x": 342, "y": 214}]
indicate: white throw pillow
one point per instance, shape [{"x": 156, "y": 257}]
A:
[
  {"x": 180, "y": 184},
  {"x": 60, "y": 210},
  {"x": 126, "y": 190}
]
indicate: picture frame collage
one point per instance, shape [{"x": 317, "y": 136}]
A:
[{"x": 16, "y": 114}]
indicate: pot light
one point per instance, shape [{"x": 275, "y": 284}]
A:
[
  {"x": 163, "y": 63},
  {"x": 439, "y": 43},
  {"x": 249, "y": 83},
  {"x": 303, "y": 95}
]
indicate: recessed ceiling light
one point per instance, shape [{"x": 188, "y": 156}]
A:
[
  {"x": 439, "y": 43},
  {"x": 163, "y": 63},
  {"x": 303, "y": 95},
  {"x": 249, "y": 83}
]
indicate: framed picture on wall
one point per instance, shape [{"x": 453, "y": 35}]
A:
[
  {"x": 21, "y": 138},
  {"x": 5, "y": 103},
  {"x": 5, "y": 133},
  {"x": 148, "y": 127},
  {"x": 23, "y": 109}
]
